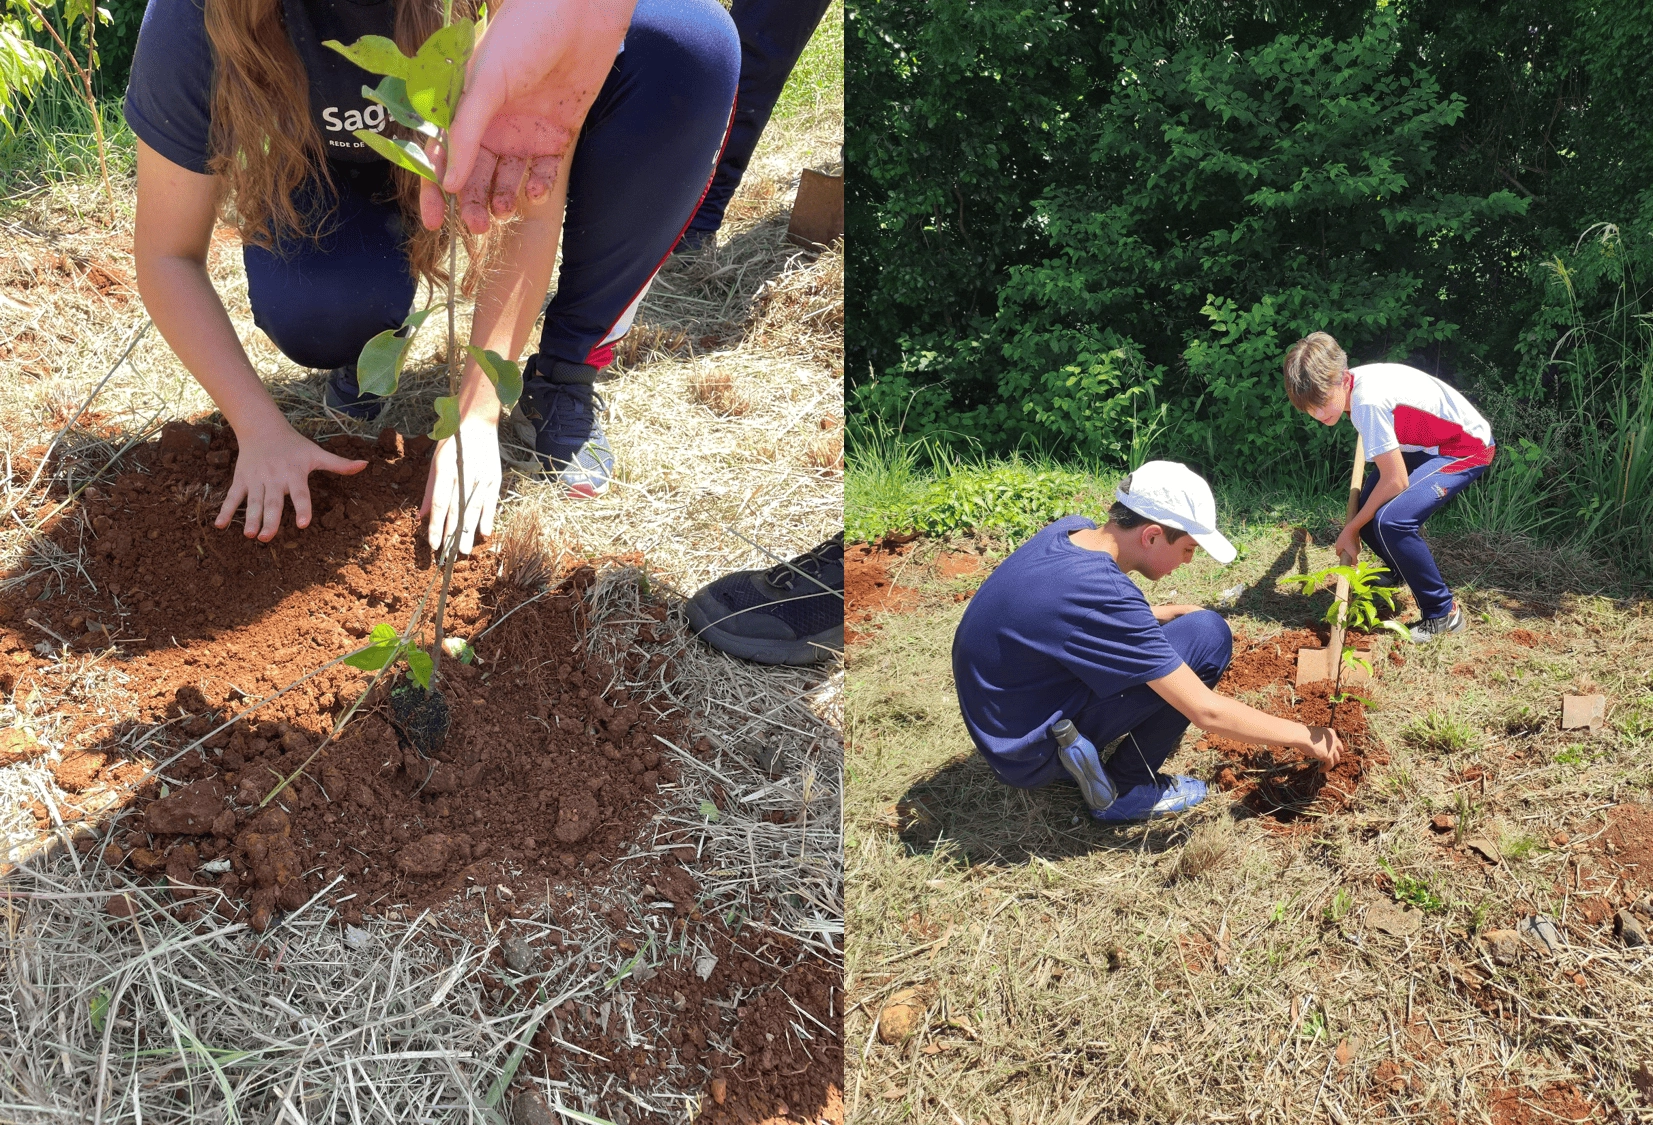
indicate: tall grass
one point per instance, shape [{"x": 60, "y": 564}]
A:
[{"x": 54, "y": 140}]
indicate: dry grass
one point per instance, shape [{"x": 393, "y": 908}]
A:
[
  {"x": 202, "y": 1030},
  {"x": 715, "y": 389},
  {"x": 1208, "y": 967}
]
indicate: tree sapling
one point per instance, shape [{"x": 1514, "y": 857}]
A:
[
  {"x": 421, "y": 94},
  {"x": 1360, "y": 612}
]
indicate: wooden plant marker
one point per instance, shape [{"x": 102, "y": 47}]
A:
[
  {"x": 1316, "y": 664},
  {"x": 817, "y": 210}
]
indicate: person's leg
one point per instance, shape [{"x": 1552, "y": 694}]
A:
[
  {"x": 773, "y": 34},
  {"x": 319, "y": 300},
  {"x": 1368, "y": 534},
  {"x": 1397, "y": 531},
  {"x": 640, "y": 167}
]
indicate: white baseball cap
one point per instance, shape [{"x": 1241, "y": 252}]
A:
[{"x": 1176, "y": 496}]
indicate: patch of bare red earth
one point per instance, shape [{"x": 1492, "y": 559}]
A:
[
  {"x": 542, "y": 777},
  {"x": 1285, "y": 786},
  {"x": 871, "y": 589}
]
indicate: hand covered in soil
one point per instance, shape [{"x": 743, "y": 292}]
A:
[
  {"x": 1348, "y": 546},
  {"x": 272, "y": 467},
  {"x": 482, "y": 478},
  {"x": 531, "y": 80},
  {"x": 1324, "y": 744}
]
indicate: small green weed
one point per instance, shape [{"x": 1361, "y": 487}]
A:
[
  {"x": 1577, "y": 755},
  {"x": 1517, "y": 848},
  {"x": 1414, "y": 891},
  {"x": 1524, "y": 718},
  {"x": 1440, "y": 734},
  {"x": 1636, "y": 720},
  {"x": 1338, "y": 909}
]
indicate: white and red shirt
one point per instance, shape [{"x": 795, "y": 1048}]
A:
[{"x": 1394, "y": 406}]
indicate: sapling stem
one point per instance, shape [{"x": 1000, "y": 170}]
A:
[{"x": 452, "y": 545}]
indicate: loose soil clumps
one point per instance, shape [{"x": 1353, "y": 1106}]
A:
[
  {"x": 868, "y": 588},
  {"x": 547, "y": 778},
  {"x": 1280, "y": 784}
]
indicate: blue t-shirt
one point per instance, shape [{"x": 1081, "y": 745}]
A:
[
  {"x": 169, "y": 96},
  {"x": 1054, "y": 628}
]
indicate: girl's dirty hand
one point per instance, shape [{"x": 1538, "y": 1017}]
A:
[
  {"x": 272, "y": 466},
  {"x": 1324, "y": 744},
  {"x": 480, "y": 438}
]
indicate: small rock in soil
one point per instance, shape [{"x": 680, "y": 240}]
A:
[
  {"x": 357, "y": 938},
  {"x": 77, "y": 771},
  {"x": 1630, "y": 930},
  {"x": 1485, "y": 848},
  {"x": 1538, "y": 931},
  {"x": 18, "y": 746},
  {"x": 189, "y": 811},
  {"x": 519, "y": 955},
  {"x": 900, "y": 1016},
  {"x": 1504, "y": 945},
  {"x": 703, "y": 966},
  {"x": 427, "y": 855},
  {"x": 577, "y": 814},
  {"x": 529, "y": 1108},
  {"x": 1443, "y": 822},
  {"x": 720, "y": 1090}
]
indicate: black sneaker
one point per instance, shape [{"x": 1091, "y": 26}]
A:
[
  {"x": 342, "y": 394},
  {"x": 789, "y": 614},
  {"x": 1431, "y": 627},
  {"x": 559, "y": 399}
]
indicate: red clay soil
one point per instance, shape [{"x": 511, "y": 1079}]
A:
[
  {"x": 1280, "y": 784},
  {"x": 1630, "y": 832},
  {"x": 1518, "y": 1105},
  {"x": 542, "y": 777},
  {"x": 868, "y": 588}
]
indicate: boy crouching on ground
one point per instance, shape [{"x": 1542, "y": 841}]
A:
[
  {"x": 1428, "y": 443},
  {"x": 1059, "y": 632}
]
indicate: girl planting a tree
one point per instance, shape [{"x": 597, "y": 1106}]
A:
[{"x": 596, "y": 121}]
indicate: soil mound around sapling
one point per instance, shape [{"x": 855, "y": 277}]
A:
[{"x": 1280, "y": 784}]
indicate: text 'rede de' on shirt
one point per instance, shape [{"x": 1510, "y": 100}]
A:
[{"x": 1052, "y": 629}]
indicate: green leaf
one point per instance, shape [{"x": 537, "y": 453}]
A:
[
  {"x": 1357, "y": 662},
  {"x": 436, "y": 76},
  {"x": 501, "y": 372},
  {"x": 420, "y": 666},
  {"x": 374, "y": 54},
  {"x": 379, "y": 367},
  {"x": 404, "y": 154},
  {"x": 1398, "y": 629},
  {"x": 392, "y": 93},
  {"x": 459, "y": 648},
  {"x": 708, "y": 810},
  {"x": 447, "y": 418},
  {"x": 382, "y": 634},
  {"x": 371, "y": 659},
  {"x": 98, "y": 1008}
]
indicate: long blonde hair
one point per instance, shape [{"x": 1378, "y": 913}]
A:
[{"x": 265, "y": 144}]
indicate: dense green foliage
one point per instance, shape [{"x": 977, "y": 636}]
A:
[{"x": 1070, "y": 228}]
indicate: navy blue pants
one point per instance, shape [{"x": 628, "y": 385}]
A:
[
  {"x": 1396, "y": 532},
  {"x": 1152, "y": 726},
  {"x": 641, "y": 165},
  {"x": 773, "y": 34}
]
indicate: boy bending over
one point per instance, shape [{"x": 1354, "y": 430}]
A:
[
  {"x": 1059, "y": 632},
  {"x": 1428, "y": 443}
]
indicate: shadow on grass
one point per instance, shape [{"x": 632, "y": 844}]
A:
[{"x": 963, "y": 811}]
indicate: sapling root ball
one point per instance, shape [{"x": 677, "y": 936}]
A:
[{"x": 421, "y": 716}]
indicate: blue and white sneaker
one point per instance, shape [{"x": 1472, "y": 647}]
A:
[
  {"x": 1144, "y": 802},
  {"x": 1079, "y": 757},
  {"x": 559, "y": 399},
  {"x": 342, "y": 394}
]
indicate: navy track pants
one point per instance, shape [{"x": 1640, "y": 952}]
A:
[
  {"x": 1396, "y": 532},
  {"x": 641, "y": 166}
]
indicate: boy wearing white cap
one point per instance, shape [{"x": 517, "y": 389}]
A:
[{"x": 1058, "y": 632}]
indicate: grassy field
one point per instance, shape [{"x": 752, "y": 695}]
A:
[
  {"x": 726, "y": 422},
  {"x": 1010, "y": 960}
]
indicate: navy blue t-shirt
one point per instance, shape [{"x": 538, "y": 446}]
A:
[
  {"x": 1055, "y": 627},
  {"x": 169, "y": 96}
]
